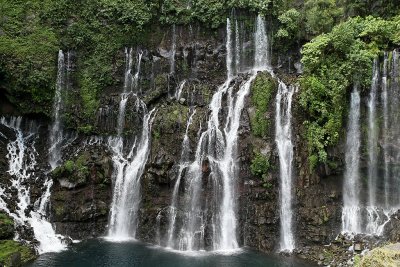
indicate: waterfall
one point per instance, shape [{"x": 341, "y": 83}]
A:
[
  {"x": 135, "y": 82},
  {"x": 44, "y": 232},
  {"x": 372, "y": 223},
  {"x": 210, "y": 149},
  {"x": 179, "y": 90},
  {"x": 283, "y": 138},
  {"x": 128, "y": 167},
  {"x": 126, "y": 177},
  {"x": 237, "y": 47},
  {"x": 395, "y": 129},
  {"x": 351, "y": 188},
  {"x": 21, "y": 158},
  {"x": 229, "y": 53},
  {"x": 383, "y": 194},
  {"x": 173, "y": 51},
  {"x": 216, "y": 160},
  {"x": 183, "y": 163},
  {"x": 56, "y": 133},
  {"x": 261, "y": 60},
  {"x": 22, "y": 165},
  {"x": 385, "y": 130}
]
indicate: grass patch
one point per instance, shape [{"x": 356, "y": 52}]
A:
[{"x": 9, "y": 247}]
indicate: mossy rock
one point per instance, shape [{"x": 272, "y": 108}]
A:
[
  {"x": 74, "y": 171},
  {"x": 169, "y": 119},
  {"x": 13, "y": 253},
  {"x": 160, "y": 89},
  {"x": 6, "y": 226},
  {"x": 263, "y": 89}
]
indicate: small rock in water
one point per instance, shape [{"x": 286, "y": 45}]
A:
[{"x": 182, "y": 100}]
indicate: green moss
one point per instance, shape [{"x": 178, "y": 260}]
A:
[
  {"x": 59, "y": 209},
  {"x": 324, "y": 214},
  {"x": 89, "y": 94},
  {"x": 262, "y": 91},
  {"x": 75, "y": 171},
  {"x": 5, "y": 219},
  {"x": 6, "y": 226},
  {"x": 260, "y": 166},
  {"x": 10, "y": 247},
  {"x": 86, "y": 129},
  {"x": 156, "y": 135},
  {"x": 69, "y": 166}
]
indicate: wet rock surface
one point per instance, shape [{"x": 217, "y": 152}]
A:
[{"x": 82, "y": 194}]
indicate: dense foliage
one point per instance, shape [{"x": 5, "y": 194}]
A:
[
  {"x": 260, "y": 166},
  {"x": 262, "y": 91},
  {"x": 32, "y": 32},
  {"x": 333, "y": 63}
]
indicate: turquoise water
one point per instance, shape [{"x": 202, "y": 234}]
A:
[{"x": 100, "y": 253}]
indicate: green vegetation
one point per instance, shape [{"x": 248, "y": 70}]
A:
[
  {"x": 31, "y": 33},
  {"x": 74, "y": 171},
  {"x": 5, "y": 219},
  {"x": 333, "y": 63},
  {"x": 28, "y": 53},
  {"x": 260, "y": 167},
  {"x": 86, "y": 129},
  {"x": 300, "y": 21},
  {"x": 8, "y": 248},
  {"x": 262, "y": 92},
  {"x": 6, "y": 226}
]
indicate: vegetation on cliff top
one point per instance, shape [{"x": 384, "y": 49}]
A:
[
  {"x": 333, "y": 62},
  {"x": 31, "y": 32}
]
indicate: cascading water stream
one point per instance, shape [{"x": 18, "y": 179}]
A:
[
  {"x": 262, "y": 60},
  {"x": 126, "y": 193},
  {"x": 21, "y": 158},
  {"x": 56, "y": 133},
  {"x": 179, "y": 90},
  {"x": 44, "y": 231},
  {"x": 351, "y": 188},
  {"x": 22, "y": 165},
  {"x": 206, "y": 149},
  {"x": 216, "y": 154},
  {"x": 383, "y": 194},
  {"x": 173, "y": 51},
  {"x": 373, "y": 216},
  {"x": 393, "y": 137},
  {"x": 385, "y": 130},
  {"x": 237, "y": 47},
  {"x": 283, "y": 138},
  {"x": 183, "y": 163},
  {"x": 129, "y": 168}
]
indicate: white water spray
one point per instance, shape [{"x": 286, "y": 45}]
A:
[
  {"x": 351, "y": 188},
  {"x": 283, "y": 138}
]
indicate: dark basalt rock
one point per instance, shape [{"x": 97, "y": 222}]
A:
[{"x": 81, "y": 211}]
